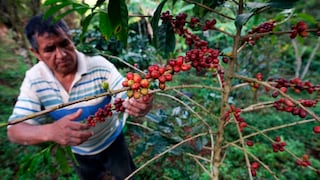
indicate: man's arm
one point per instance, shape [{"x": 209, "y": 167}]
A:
[{"x": 64, "y": 131}]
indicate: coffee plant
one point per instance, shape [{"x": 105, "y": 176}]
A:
[{"x": 203, "y": 134}]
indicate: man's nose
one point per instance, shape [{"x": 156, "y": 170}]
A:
[{"x": 60, "y": 53}]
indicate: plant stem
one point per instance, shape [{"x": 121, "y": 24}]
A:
[
  {"x": 19, "y": 120},
  {"x": 163, "y": 153}
]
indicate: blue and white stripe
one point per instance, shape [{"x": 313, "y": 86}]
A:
[{"x": 40, "y": 90}]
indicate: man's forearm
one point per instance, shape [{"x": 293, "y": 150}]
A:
[{"x": 27, "y": 134}]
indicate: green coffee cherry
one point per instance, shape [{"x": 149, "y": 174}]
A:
[{"x": 105, "y": 85}]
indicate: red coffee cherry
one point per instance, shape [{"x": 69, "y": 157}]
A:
[
  {"x": 255, "y": 165},
  {"x": 316, "y": 129},
  {"x": 168, "y": 77},
  {"x": 136, "y": 78},
  {"x": 249, "y": 143},
  {"x": 144, "y": 83},
  {"x": 129, "y": 76}
]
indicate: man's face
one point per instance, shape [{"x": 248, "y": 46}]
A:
[{"x": 58, "y": 52}]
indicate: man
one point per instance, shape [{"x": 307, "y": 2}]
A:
[{"x": 63, "y": 74}]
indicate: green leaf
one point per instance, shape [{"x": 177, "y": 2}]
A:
[
  {"x": 307, "y": 17},
  {"x": 118, "y": 16},
  {"x": 98, "y": 3},
  {"x": 51, "y": 2},
  {"x": 166, "y": 38},
  {"x": 105, "y": 25},
  {"x": 282, "y": 4},
  {"x": 62, "y": 160},
  {"x": 85, "y": 24},
  {"x": 70, "y": 153},
  {"x": 242, "y": 19},
  {"x": 155, "y": 21},
  {"x": 186, "y": 8},
  {"x": 60, "y": 16},
  {"x": 257, "y": 8},
  {"x": 4, "y": 124},
  {"x": 201, "y": 12},
  {"x": 80, "y": 8},
  {"x": 56, "y": 8},
  {"x": 256, "y": 5},
  {"x": 35, "y": 162}
]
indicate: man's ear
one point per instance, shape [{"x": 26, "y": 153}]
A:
[{"x": 35, "y": 53}]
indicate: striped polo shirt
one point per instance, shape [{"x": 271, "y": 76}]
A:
[{"x": 41, "y": 90}]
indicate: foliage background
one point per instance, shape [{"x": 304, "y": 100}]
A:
[{"x": 169, "y": 122}]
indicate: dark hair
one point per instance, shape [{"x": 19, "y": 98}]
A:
[{"x": 38, "y": 25}]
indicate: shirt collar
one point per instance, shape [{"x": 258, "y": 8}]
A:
[
  {"x": 82, "y": 68},
  {"x": 82, "y": 65}
]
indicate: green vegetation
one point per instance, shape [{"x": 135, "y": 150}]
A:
[{"x": 172, "y": 120}]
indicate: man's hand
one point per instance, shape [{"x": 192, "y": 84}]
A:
[
  {"x": 68, "y": 132},
  {"x": 138, "y": 107}
]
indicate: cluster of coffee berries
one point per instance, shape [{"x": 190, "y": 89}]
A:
[
  {"x": 221, "y": 75},
  {"x": 177, "y": 65},
  {"x": 209, "y": 25},
  {"x": 278, "y": 145},
  {"x": 235, "y": 112},
  {"x": 259, "y": 78},
  {"x": 162, "y": 74},
  {"x": 178, "y": 23},
  {"x": 103, "y": 113},
  {"x": 296, "y": 84},
  {"x": 194, "y": 40},
  {"x": 263, "y": 28},
  {"x": 254, "y": 167},
  {"x": 180, "y": 20},
  {"x": 203, "y": 58},
  {"x": 194, "y": 22},
  {"x": 166, "y": 16},
  {"x": 299, "y": 29},
  {"x": 138, "y": 86},
  {"x": 304, "y": 161},
  {"x": 287, "y": 105}
]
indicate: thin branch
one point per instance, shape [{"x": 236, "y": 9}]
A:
[
  {"x": 163, "y": 153},
  {"x": 139, "y": 125},
  {"x": 210, "y": 9},
  {"x": 244, "y": 151},
  {"x": 285, "y": 149},
  {"x": 314, "y": 51},
  {"x": 198, "y": 162},
  {"x": 271, "y": 129},
  {"x": 199, "y": 157},
  {"x": 124, "y": 62},
  {"x": 204, "y": 168},
  {"x": 224, "y": 32},
  {"x": 259, "y": 35},
  {"x": 258, "y": 106},
  {"x": 258, "y": 160},
  {"x": 298, "y": 57},
  {"x": 203, "y": 121},
  {"x": 193, "y": 101},
  {"x": 266, "y": 84},
  {"x": 110, "y": 92}
]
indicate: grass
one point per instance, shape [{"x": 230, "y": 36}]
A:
[{"x": 12, "y": 69}]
